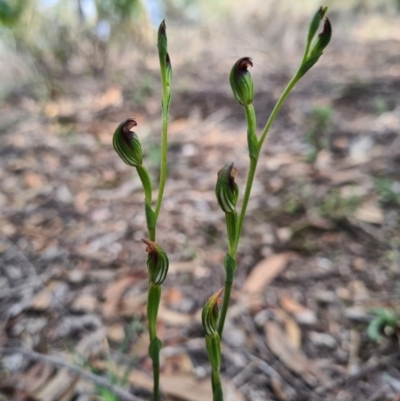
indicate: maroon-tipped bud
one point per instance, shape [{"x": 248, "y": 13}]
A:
[
  {"x": 323, "y": 39},
  {"x": 314, "y": 24},
  {"x": 241, "y": 81},
  {"x": 157, "y": 262},
  {"x": 126, "y": 143}
]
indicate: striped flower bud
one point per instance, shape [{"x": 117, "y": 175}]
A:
[
  {"x": 157, "y": 262},
  {"x": 209, "y": 316},
  {"x": 241, "y": 81},
  {"x": 126, "y": 143},
  {"x": 226, "y": 190}
]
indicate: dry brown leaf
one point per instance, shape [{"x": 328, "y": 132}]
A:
[
  {"x": 184, "y": 387},
  {"x": 85, "y": 303},
  {"x": 34, "y": 181},
  {"x": 370, "y": 213},
  {"x": 302, "y": 314},
  {"x": 265, "y": 271},
  {"x": 56, "y": 388},
  {"x": 116, "y": 332},
  {"x": 172, "y": 318},
  {"x": 294, "y": 359},
  {"x": 114, "y": 293},
  {"x": 180, "y": 363},
  {"x": 132, "y": 305},
  {"x": 172, "y": 296},
  {"x": 277, "y": 388},
  {"x": 36, "y": 376},
  {"x": 44, "y": 298},
  {"x": 292, "y": 329}
]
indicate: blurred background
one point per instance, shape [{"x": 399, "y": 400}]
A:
[{"x": 315, "y": 311}]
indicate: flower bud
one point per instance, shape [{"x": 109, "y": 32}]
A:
[
  {"x": 162, "y": 42},
  {"x": 316, "y": 51},
  {"x": 323, "y": 39},
  {"x": 241, "y": 81},
  {"x": 227, "y": 190},
  {"x": 126, "y": 143},
  {"x": 314, "y": 24},
  {"x": 209, "y": 316},
  {"x": 157, "y": 262}
]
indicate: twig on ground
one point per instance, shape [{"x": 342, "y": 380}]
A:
[{"x": 57, "y": 361}]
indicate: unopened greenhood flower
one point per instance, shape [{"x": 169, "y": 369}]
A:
[
  {"x": 126, "y": 143},
  {"x": 157, "y": 262},
  {"x": 227, "y": 190},
  {"x": 241, "y": 81},
  {"x": 209, "y": 316}
]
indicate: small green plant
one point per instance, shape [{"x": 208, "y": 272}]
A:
[
  {"x": 337, "y": 207},
  {"x": 384, "y": 321},
  {"x": 388, "y": 193},
  {"x": 127, "y": 145},
  {"x": 316, "y": 136}
]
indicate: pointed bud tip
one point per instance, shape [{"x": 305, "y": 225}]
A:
[
  {"x": 157, "y": 262},
  {"x": 215, "y": 299},
  {"x": 243, "y": 64},
  {"x": 162, "y": 30},
  {"x": 128, "y": 124},
  {"x": 327, "y": 29},
  {"x": 322, "y": 11},
  {"x": 151, "y": 246}
]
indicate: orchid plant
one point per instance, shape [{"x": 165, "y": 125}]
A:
[{"x": 127, "y": 145}]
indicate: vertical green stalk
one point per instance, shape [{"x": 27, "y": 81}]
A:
[
  {"x": 165, "y": 72},
  {"x": 158, "y": 261},
  {"x": 153, "y": 302}
]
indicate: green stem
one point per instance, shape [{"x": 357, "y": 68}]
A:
[
  {"x": 216, "y": 385},
  {"x": 249, "y": 182},
  {"x": 164, "y": 139},
  {"x": 153, "y": 302},
  {"x": 250, "y": 115},
  {"x": 146, "y": 183},
  {"x": 156, "y": 381},
  {"x": 277, "y": 107},
  {"x": 225, "y": 302}
]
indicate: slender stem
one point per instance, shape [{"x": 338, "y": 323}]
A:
[
  {"x": 225, "y": 303},
  {"x": 246, "y": 197},
  {"x": 278, "y": 105},
  {"x": 146, "y": 183},
  {"x": 164, "y": 140},
  {"x": 156, "y": 381},
  {"x": 163, "y": 175},
  {"x": 250, "y": 115},
  {"x": 153, "y": 303},
  {"x": 216, "y": 385},
  {"x": 306, "y": 50}
]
